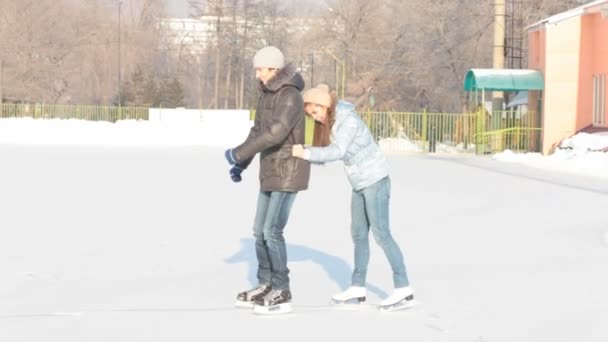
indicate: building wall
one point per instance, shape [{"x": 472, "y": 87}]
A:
[
  {"x": 594, "y": 60},
  {"x": 585, "y": 89},
  {"x": 536, "y": 61},
  {"x": 536, "y": 50},
  {"x": 562, "y": 60},
  {"x": 600, "y": 54},
  {"x": 568, "y": 53}
]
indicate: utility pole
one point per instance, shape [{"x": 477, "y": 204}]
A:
[
  {"x": 312, "y": 69},
  {"x": 339, "y": 62},
  {"x": 1, "y": 74},
  {"x": 499, "y": 48},
  {"x": 119, "y": 64}
]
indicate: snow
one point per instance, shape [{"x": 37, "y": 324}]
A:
[
  {"x": 581, "y": 154},
  {"x": 134, "y": 232},
  {"x": 577, "y": 155},
  {"x": 122, "y": 133}
]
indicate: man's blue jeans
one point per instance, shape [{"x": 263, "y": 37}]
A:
[
  {"x": 369, "y": 211},
  {"x": 270, "y": 220}
]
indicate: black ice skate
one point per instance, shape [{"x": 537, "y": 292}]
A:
[
  {"x": 246, "y": 299},
  {"x": 275, "y": 302}
]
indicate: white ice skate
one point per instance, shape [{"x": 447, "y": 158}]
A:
[
  {"x": 401, "y": 299},
  {"x": 352, "y": 295}
]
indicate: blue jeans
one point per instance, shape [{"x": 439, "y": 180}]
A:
[
  {"x": 270, "y": 219},
  {"x": 369, "y": 211}
]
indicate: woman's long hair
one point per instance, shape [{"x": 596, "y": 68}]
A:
[{"x": 322, "y": 132}]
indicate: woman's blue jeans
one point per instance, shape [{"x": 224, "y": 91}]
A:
[
  {"x": 369, "y": 211},
  {"x": 270, "y": 219}
]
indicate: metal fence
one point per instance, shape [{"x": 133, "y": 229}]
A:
[
  {"x": 455, "y": 132},
  {"x": 478, "y": 132},
  {"x": 520, "y": 139},
  {"x": 509, "y": 129},
  {"x": 420, "y": 132},
  {"x": 93, "y": 113}
]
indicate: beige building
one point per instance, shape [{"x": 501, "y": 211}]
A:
[{"x": 571, "y": 51}]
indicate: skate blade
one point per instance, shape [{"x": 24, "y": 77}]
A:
[
  {"x": 243, "y": 304},
  {"x": 402, "y": 305},
  {"x": 273, "y": 309},
  {"x": 348, "y": 302}
]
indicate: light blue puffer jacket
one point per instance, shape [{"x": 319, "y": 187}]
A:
[{"x": 353, "y": 143}]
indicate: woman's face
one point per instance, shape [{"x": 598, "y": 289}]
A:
[{"x": 317, "y": 112}]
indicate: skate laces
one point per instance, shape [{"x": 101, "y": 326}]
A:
[
  {"x": 260, "y": 288},
  {"x": 273, "y": 294}
]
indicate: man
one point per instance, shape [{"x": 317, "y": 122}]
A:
[{"x": 278, "y": 125}]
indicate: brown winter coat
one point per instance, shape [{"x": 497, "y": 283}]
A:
[{"x": 278, "y": 125}]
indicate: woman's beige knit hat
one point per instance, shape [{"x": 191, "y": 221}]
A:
[{"x": 318, "y": 95}]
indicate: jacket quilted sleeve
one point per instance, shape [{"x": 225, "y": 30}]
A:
[
  {"x": 353, "y": 143},
  {"x": 286, "y": 114},
  {"x": 344, "y": 134},
  {"x": 244, "y": 163}
]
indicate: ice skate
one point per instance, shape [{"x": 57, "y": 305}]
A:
[
  {"x": 246, "y": 299},
  {"x": 352, "y": 295},
  {"x": 274, "y": 303},
  {"x": 401, "y": 299}
]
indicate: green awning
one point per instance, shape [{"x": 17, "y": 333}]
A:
[{"x": 503, "y": 80}]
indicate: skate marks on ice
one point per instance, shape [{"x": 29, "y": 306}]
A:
[
  {"x": 557, "y": 178},
  {"x": 57, "y": 314},
  {"x": 296, "y": 308},
  {"x": 412, "y": 317},
  {"x": 336, "y": 268},
  {"x": 415, "y": 313},
  {"x": 159, "y": 310}
]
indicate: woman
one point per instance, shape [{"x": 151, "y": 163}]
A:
[{"x": 342, "y": 135}]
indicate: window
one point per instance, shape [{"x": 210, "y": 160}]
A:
[{"x": 599, "y": 99}]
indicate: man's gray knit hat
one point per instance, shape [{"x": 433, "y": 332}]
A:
[{"x": 269, "y": 57}]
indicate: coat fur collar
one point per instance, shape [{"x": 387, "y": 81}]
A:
[{"x": 288, "y": 75}]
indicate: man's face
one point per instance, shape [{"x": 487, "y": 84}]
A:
[
  {"x": 265, "y": 74},
  {"x": 317, "y": 112}
]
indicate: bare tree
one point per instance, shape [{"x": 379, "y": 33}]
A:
[
  {"x": 403, "y": 55},
  {"x": 39, "y": 44}
]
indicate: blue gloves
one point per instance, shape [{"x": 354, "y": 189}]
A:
[
  {"x": 235, "y": 173},
  {"x": 236, "y": 169},
  {"x": 230, "y": 157}
]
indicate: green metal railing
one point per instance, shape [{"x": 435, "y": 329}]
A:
[
  {"x": 513, "y": 130},
  {"x": 93, "y": 113},
  {"x": 517, "y": 139},
  {"x": 478, "y": 132},
  {"x": 419, "y": 132}
]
